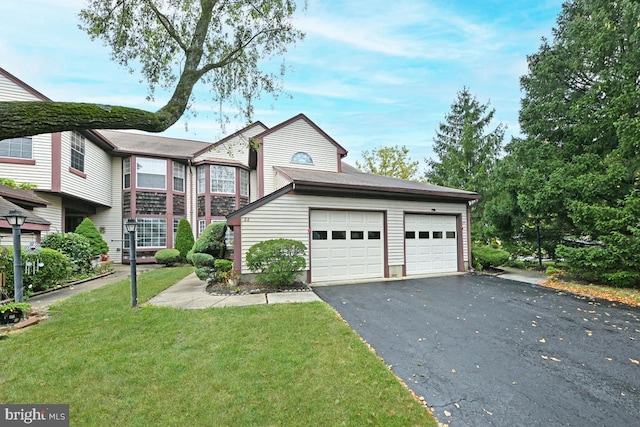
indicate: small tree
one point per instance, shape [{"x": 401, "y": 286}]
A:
[
  {"x": 87, "y": 229},
  {"x": 184, "y": 238},
  {"x": 277, "y": 261}
]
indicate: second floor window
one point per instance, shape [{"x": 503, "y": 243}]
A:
[
  {"x": 178, "y": 177},
  {"x": 126, "y": 172},
  {"x": 19, "y": 148},
  {"x": 77, "y": 151},
  {"x": 151, "y": 173},
  {"x": 244, "y": 182},
  {"x": 223, "y": 179},
  {"x": 201, "y": 179}
]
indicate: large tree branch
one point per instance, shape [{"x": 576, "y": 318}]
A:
[
  {"x": 167, "y": 25},
  {"x": 22, "y": 118}
]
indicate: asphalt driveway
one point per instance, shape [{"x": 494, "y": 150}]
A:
[{"x": 485, "y": 351}]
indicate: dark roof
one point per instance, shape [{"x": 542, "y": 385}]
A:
[
  {"x": 352, "y": 179},
  {"x": 154, "y": 145},
  {"x": 6, "y": 206},
  {"x": 22, "y": 197}
]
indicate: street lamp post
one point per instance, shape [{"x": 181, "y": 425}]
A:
[
  {"x": 131, "y": 226},
  {"x": 15, "y": 218}
]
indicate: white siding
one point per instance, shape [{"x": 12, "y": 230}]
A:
[
  {"x": 9, "y": 91},
  {"x": 267, "y": 222},
  {"x": 96, "y": 187},
  {"x": 279, "y": 146},
  {"x": 111, "y": 218},
  {"x": 235, "y": 149},
  {"x": 38, "y": 174},
  {"x": 52, "y": 213}
]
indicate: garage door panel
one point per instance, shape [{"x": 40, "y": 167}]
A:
[
  {"x": 434, "y": 248},
  {"x": 358, "y": 256}
]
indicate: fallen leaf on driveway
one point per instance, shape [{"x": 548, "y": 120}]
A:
[
  {"x": 634, "y": 361},
  {"x": 542, "y": 341},
  {"x": 608, "y": 359},
  {"x": 555, "y": 359},
  {"x": 453, "y": 371},
  {"x": 589, "y": 333},
  {"x": 544, "y": 357},
  {"x": 447, "y": 413}
]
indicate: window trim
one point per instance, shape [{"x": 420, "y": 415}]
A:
[
  {"x": 21, "y": 141},
  {"x": 301, "y": 158},
  {"x": 164, "y": 175},
  {"x": 126, "y": 170},
  {"x": 182, "y": 170},
  {"x": 79, "y": 147},
  {"x": 213, "y": 176},
  {"x": 244, "y": 189}
]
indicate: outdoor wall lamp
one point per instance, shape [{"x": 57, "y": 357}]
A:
[{"x": 15, "y": 218}]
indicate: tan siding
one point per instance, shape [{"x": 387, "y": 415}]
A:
[
  {"x": 280, "y": 145},
  {"x": 52, "y": 213},
  {"x": 296, "y": 226},
  {"x": 96, "y": 187}
]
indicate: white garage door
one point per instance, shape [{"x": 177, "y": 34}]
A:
[
  {"x": 431, "y": 244},
  {"x": 346, "y": 245}
]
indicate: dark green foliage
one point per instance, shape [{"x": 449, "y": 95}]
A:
[
  {"x": 204, "y": 263},
  {"x": 485, "y": 257},
  {"x": 56, "y": 269},
  {"x": 212, "y": 240},
  {"x": 184, "y": 238},
  {"x": 74, "y": 246},
  {"x": 168, "y": 257},
  {"x": 87, "y": 229},
  {"x": 277, "y": 261},
  {"x": 466, "y": 153}
]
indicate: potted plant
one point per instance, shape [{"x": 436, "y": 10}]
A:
[{"x": 13, "y": 312}]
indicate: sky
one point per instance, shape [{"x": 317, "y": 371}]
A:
[{"x": 370, "y": 73}]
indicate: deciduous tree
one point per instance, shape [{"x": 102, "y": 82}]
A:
[
  {"x": 389, "y": 161},
  {"x": 175, "y": 44}
]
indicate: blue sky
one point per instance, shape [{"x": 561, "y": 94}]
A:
[{"x": 371, "y": 73}]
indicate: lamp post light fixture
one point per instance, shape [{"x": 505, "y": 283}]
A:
[
  {"x": 131, "y": 226},
  {"x": 15, "y": 218}
]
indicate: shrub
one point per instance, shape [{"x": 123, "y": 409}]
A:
[
  {"x": 222, "y": 266},
  {"x": 204, "y": 264},
  {"x": 87, "y": 229},
  {"x": 168, "y": 256},
  {"x": 75, "y": 247},
  {"x": 486, "y": 257},
  {"x": 277, "y": 261},
  {"x": 212, "y": 241},
  {"x": 184, "y": 238},
  {"x": 54, "y": 270}
]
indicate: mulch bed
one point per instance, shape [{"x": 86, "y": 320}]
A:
[{"x": 253, "y": 288}]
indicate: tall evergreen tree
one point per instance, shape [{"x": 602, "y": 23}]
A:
[
  {"x": 466, "y": 152},
  {"x": 580, "y": 161}
]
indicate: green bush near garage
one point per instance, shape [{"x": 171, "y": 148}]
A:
[
  {"x": 278, "y": 261},
  {"x": 486, "y": 257},
  {"x": 88, "y": 229},
  {"x": 74, "y": 246},
  {"x": 168, "y": 257},
  {"x": 184, "y": 238}
]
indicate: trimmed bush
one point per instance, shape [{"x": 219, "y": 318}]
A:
[
  {"x": 168, "y": 256},
  {"x": 54, "y": 271},
  {"x": 204, "y": 264},
  {"x": 212, "y": 241},
  {"x": 184, "y": 238},
  {"x": 75, "y": 247},
  {"x": 87, "y": 229},
  {"x": 486, "y": 257},
  {"x": 277, "y": 261},
  {"x": 222, "y": 266}
]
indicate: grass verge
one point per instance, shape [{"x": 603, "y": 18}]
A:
[{"x": 283, "y": 364}]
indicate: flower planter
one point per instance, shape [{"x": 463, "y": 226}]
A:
[{"x": 10, "y": 317}]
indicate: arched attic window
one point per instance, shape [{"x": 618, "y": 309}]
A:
[{"x": 302, "y": 158}]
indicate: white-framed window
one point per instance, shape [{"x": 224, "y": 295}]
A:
[
  {"x": 77, "y": 151},
  {"x": 151, "y": 173},
  {"x": 19, "y": 148},
  {"x": 151, "y": 233},
  {"x": 202, "y": 224},
  {"x": 178, "y": 177},
  {"x": 201, "y": 179},
  {"x": 175, "y": 230},
  {"x": 244, "y": 182},
  {"x": 228, "y": 238},
  {"x": 302, "y": 158},
  {"x": 223, "y": 179},
  {"x": 126, "y": 172}
]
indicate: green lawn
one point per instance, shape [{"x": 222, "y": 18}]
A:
[{"x": 273, "y": 365}]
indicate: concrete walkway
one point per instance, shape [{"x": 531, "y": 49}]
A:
[{"x": 191, "y": 292}]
